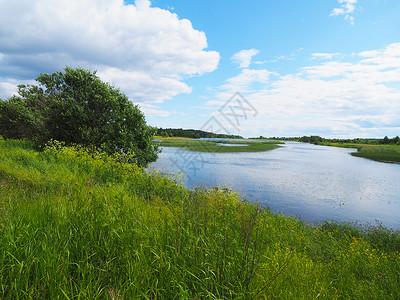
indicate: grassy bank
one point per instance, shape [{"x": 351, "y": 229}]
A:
[
  {"x": 383, "y": 153},
  {"x": 341, "y": 145},
  {"x": 80, "y": 225},
  {"x": 219, "y": 146}
]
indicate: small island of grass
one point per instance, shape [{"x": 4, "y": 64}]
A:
[
  {"x": 221, "y": 146},
  {"x": 383, "y": 150},
  {"x": 382, "y": 153}
]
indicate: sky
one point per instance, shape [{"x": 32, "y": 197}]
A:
[{"x": 256, "y": 67}]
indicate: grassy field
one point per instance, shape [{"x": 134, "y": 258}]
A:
[
  {"x": 218, "y": 146},
  {"x": 81, "y": 225},
  {"x": 383, "y": 153}
]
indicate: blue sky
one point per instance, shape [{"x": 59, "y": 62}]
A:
[{"x": 305, "y": 67}]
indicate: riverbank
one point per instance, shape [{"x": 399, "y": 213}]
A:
[
  {"x": 78, "y": 224},
  {"x": 219, "y": 146},
  {"x": 382, "y": 153},
  {"x": 386, "y": 153}
]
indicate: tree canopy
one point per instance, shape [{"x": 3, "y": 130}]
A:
[{"x": 75, "y": 106}]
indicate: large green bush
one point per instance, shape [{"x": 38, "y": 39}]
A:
[{"x": 75, "y": 106}]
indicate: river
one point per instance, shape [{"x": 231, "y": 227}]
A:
[{"x": 313, "y": 183}]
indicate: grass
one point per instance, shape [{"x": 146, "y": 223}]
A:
[
  {"x": 81, "y": 225},
  {"x": 218, "y": 145},
  {"x": 341, "y": 145},
  {"x": 382, "y": 153}
]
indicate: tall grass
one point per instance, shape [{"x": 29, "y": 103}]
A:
[{"x": 76, "y": 224}]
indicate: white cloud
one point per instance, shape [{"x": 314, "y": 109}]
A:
[
  {"x": 324, "y": 55},
  {"x": 151, "y": 47},
  {"x": 371, "y": 53},
  {"x": 248, "y": 81},
  {"x": 337, "y": 99},
  {"x": 347, "y": 7},
  {"x": 153, "y": 111},
  {"x": 291, "y": 56},
  {"x": 140, "y": 85},
  {"x": 7, "y": 87},
  {"x": 244, "y": 57},
  {"x": 246, "y": 78}
]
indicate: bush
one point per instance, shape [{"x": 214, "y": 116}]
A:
[{"x": 76, "y": 107}]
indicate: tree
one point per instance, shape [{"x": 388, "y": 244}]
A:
[
  {"x": 22, "y": 117},
  {"x": 385, "y": 140},
  {"x": 314, "y": 139},
  {"x": 75, "y": 106}
]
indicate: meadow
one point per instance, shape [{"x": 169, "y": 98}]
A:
[
  {"x": 219, "y": 145},
  {"x": 79, "y": 224}
]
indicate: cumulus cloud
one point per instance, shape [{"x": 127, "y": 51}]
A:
[
  {"x": 244, "y": 57},
  {"x": 153, "y": 111},
  {"x": 145, "y": 50},
  {"x": 335, "y": 98},
  {"x": 243, "y": 82},
  {"x": 142, "y": 85},
  {"x": 347, "y": 7}
]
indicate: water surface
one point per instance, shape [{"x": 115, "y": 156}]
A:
[{"x": 314, "y": 183}]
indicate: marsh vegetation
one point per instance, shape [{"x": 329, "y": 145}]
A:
[
  {"x": 382, "y": 153},
  {"x": 219, "y": 145}
]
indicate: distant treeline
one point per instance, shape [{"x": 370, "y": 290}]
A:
[
  {"x": 315, "y": 139},
  {"x": 193, "y": 133}
]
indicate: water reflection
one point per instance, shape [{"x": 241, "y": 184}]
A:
[{"x": 315, "y": 183}]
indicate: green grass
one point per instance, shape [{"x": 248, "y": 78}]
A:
[
  {"x": 384, "y": 153},
  {"x": 216, "y": 146},
  {"x": 81, "y": 225},
  {"x": 346, "y": 145}
]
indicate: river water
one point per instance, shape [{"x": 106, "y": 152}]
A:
[{"x": 313, "y": 183}]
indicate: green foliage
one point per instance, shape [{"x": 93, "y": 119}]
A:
[
  {"x": 24, "y": 117},
  {"x": 75, "y": 106},
  {"x": 357, "y": 141},
  {"x": 314, "y": 139},
  {"x": 78, "y": 224},
  {"x": 388, "y": 141},
  {"x": 294, "y": 139},
  {"x": 193, "y": 133}
]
